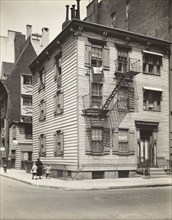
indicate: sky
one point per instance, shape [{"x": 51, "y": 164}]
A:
[{"x": 16, "y": 14}]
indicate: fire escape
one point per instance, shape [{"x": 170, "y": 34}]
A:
[{"x": 109, "y": 112}]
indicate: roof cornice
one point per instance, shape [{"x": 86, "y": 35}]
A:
[{"x": 76, "y": 24}]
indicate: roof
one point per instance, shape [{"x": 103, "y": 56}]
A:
[
  {"x": 7, "y": 67},
  {"x": 78, "y": 25}
]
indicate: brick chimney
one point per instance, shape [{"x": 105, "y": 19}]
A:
[
  {"x": 67, "y": 18},
  {"x": 45, "y": 36},
  {"x": 28, "y": 30}
]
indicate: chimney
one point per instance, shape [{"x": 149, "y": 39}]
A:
[
  {"x": 67, "y": 18},
  {"x": 45, "y": 36},
  {"x": 72, "y": 12},
  {"x": 28, "y": 30},
  {"x": 78, "y": 9},
  {"x": 67, "y": 12}
]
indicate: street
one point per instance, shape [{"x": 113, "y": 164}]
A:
[{"x": 22, "y": 201}]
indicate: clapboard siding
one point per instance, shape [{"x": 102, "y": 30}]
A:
[
  {"x": 67, "y": 121},
  {"x": 129, "y": 120}
]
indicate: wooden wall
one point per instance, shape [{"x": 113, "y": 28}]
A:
[{"x": 67, "y": 121}]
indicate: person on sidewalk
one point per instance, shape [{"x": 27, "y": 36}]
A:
[
  {"x": 5, "y": 168},
  {"x": 40, "y": 168},
  {"x": 34, "y": 171},
  {"x": 48, "y": 171}
]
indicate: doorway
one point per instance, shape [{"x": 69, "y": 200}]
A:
[{"x": 147, "y": 145}]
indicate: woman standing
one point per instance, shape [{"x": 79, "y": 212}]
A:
[{"x": 40, "y": 168}]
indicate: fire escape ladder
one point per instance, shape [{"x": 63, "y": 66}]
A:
[{"x": 120, "y": 81}]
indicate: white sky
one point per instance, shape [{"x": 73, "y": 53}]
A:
[{"x": 16, "y": 14}]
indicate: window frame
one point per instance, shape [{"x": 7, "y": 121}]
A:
[
  {"x": 28, "y": 127},
  {"x": 149, "y": 64},
  {"x": 58, "y": 143},
  {"x": 25, "y": 80},
  {"x": 42, "y": 145},
  {"x": 123, "y": 141},
  {"x": 152, "y": 100},
  {"x": 27, "y": 98},
  {"x": 58, "y": 70},
  {"x": 59, "y": 102},
  {"x": 41, "y": 79},
  {"x": 42, "y": 110}
]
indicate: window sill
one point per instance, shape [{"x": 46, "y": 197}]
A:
[
  {"x": 151, "y": 110},
  {"x": 152, "y": 74},
  {"x": 56, "y": 114},
  {"x": 42, "y": 119}
]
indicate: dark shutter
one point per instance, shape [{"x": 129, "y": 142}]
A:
[
  {"x": 106, "y": 141},
  {"x": 132, "y": 142},
  {"x": 62, "y": 143},
  {"x": 115, "y": 141},
  {"x": 106, "y": 58},
  {"x": 88, "y": 55},
  {"x": 131, "y": 98},
  {"x": 87, "y": 141}
]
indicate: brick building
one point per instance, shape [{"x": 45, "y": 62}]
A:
[{"x": 16, "y": 117}]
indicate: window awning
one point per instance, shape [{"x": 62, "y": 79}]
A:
[
  {"x": 152, "y": 88},
  {"x": 153, "y": 53}
]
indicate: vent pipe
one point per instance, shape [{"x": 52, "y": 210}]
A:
[
  {"x": 78, "y": 9},
  {"x": 67, "y": 12}
]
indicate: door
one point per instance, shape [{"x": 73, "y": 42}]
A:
[{"x": 147, "y": 148}]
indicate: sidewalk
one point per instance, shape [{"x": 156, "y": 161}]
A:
[{"x": 95, "y": 184}]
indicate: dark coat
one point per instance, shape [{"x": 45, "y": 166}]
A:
[{"x": 40, "y": 167}]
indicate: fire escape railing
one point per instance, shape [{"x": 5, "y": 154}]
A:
[{"x": 109, "y": 111}]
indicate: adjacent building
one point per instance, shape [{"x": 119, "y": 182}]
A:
[
  {"x": 16, "y": 122},
  {"x": 101, "y": 102}
]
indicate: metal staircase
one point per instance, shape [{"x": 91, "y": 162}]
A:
[{"x": 109, "y": 115}]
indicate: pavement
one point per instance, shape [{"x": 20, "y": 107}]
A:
[{"x": 93, "y": 184}]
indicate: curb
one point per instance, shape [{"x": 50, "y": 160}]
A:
[{"x": 93, "y": 188}]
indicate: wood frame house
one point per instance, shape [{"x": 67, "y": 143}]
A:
[{"x": 100, "y": 102}]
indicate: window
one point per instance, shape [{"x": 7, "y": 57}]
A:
[
  {"x": 28, "y": 131},
  {"x": 42, "y": 145},
  {"x": 122, "y": 60},
  {"x": 123, "y": 141},
  {"x": 42, "y": 113},
  {"x": 113, "y": 19},
  {"x": 152, "y": 100},
  {"x": 123, "y": 98},
  {"x": 97, "y": 55},
  {"x": 58, "y": 143},
  {"x": 27, "y": 80},
  {"x": 97, "y": 134},
  {"x": 58, "y": 102},
  {"x": 58, "y": 71},
  {"x": 96, "y": 95},
  {"x": 152, "y": 64},
  {"x": 26, "y": 119},
  {"x": 27, "y": 101},
  {"x": 41, "y": 79}
]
